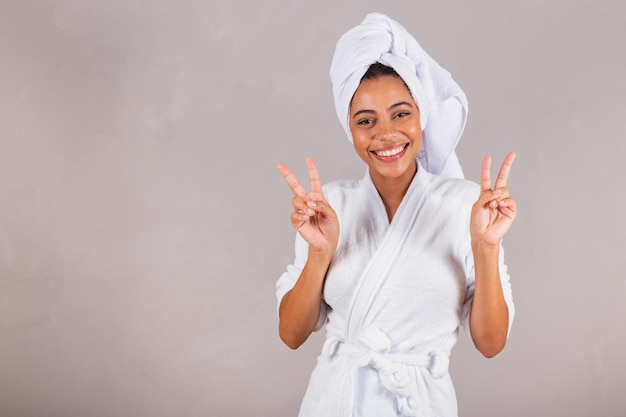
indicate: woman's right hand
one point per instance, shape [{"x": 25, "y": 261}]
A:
[{"x": 313, "y": 217}]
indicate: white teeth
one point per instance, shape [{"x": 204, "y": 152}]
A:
[{"x": 390, "y": 152}]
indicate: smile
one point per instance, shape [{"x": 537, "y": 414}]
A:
[{"x": 391, "y": 152}]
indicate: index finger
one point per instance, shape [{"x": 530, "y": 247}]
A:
[
  {"x": 292, "y": 181},
  {"x": 314, "y": 177},
  {"x": 485, "y": 174},
  {"x": 503, "y": 175}
]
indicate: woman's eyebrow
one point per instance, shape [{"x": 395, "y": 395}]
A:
[
  {"x": 402, "y": 103},
  {"x": 393, "y": 106},
  {"x": 363, "y": 111}
]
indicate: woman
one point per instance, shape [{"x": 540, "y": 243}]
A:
[{"x": 393, "y": 264}]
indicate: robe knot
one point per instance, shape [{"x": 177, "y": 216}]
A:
[{"x": 394, "y": 368}]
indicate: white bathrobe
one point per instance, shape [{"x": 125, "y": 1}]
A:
[{"x": 394, "y": 298}]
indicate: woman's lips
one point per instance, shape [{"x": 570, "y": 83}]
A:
[{"x": 389, "y": 154}]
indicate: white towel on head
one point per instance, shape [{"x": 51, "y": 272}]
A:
[{"x": 442, "y": 103}]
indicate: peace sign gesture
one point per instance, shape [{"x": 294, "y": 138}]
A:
[
  {"x": 495, "y": 210},
  {"x": 313, "y": 217}
]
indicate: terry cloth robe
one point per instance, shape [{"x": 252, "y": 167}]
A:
[{"x": 394, "y": 297}]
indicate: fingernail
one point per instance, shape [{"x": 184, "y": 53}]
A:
[
  {"x": 312, "y": 204},
  {"x": 310, "y": 212}
]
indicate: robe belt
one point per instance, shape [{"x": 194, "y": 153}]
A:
[{"x": 393, "y": 368}]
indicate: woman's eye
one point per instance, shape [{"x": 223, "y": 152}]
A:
[
  {"x": 365, "y": 122},
  {"x": 403, "y": 114}
]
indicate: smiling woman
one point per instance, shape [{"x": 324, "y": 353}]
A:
[{"x": 392, "y": 265}]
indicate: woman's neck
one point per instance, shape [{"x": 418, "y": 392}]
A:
[{"x": 393, "y": 190}]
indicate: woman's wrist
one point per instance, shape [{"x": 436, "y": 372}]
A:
[
  {"x": 321, "y": 256},
  {"x": 480, "y": 246}
]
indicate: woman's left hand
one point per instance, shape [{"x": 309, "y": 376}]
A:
[{"x": 495, "y": 210}]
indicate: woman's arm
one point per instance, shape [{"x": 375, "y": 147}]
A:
[
  {"x": 300, "y": 307},
  {"x": 489, "y": 315},
  {"x": 317, "y": 223},
  {"x": 492, "y": 217}
]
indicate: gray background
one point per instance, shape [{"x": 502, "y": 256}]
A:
[{"x": 143, "y": 223}]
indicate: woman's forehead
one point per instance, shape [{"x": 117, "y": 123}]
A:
[{"x": 381, "y": 91}]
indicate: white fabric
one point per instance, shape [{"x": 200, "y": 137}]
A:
[
  {"x": 394, "y": 298},
  {"x": 442, "y": 103}
]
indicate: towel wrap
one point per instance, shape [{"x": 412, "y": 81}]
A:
[{"x": 442, "y": 103}]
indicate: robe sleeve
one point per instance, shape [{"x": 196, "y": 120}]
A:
[
  {"x": 288, "y": 279},
  {"x": 469, "y": 293}
]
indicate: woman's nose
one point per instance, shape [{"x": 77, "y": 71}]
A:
[{"x": 384, "y": 131}]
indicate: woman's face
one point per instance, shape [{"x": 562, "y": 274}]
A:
[{"x": 385, "y": 126}]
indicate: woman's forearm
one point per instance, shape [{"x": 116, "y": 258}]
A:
[
  {"x": 300, "y": 307},
  {"x": 489, "y": 315}
]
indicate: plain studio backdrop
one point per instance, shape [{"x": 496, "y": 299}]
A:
[{"x": 143, "y": 224}]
